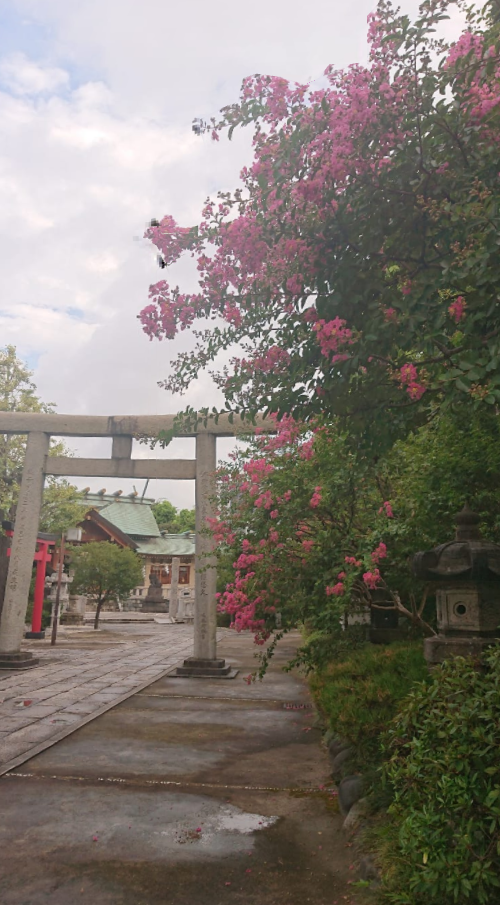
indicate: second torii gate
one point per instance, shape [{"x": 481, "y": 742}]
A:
[{"x": 123, "y": 430}]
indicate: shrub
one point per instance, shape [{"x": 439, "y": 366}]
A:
[
  {"x": 445, "y": 772},
  {"x": 360, "y": 692}
]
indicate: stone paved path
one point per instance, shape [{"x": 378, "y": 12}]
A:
[
  {"x": 75, "y": 683},
  {"x": 190, "y": 792}
]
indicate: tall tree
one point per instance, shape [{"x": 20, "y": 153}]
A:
[
  {"x": 18, "y": 393},
  {"x": 105, "y": 572},
  {"x": 173, "y": 520}
]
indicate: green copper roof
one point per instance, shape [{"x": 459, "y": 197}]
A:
[
  {"x": 168, "y": 545},
  {"x": 132, "y": 518}
]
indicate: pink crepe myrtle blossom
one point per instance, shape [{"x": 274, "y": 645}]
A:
[
  {"x": 457, "y": 309},
  {"x": 336, "y": 590},
  {"x": 306, "y": 451},
  {"x": 416, "y": 390},
  {"x": 372, "y": 579},
  {"x": 408, "y": 373},
  {"x": 270, "y": 360},
  {"x": 332, "y": 335},
  {"x": 316, "y": 498},
  {"x": 379, "y": 553},
  {"x": 387, "y": 509},
  {"x": 390, "y": 315},
  {"x": 467, "y": 43},
  {"x": 307, "y": 545},
  {"x": 407, "y": 376},
  {"x": 352, "y": 561}
]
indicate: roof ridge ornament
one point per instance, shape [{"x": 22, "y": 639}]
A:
[{"x": 467, "y": 522}]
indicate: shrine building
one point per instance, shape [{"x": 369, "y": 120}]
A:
[{"x": 128, "y": 520}]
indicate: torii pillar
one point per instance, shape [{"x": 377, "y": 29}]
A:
[
  {"x": 21, "y": 556},
  {"x": 204, "y": 663}
]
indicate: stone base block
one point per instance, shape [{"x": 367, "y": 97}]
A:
[
  {"x": 35, "y": 636},
  {"x": 154, "y": 607},
  {"x": 71, "y": 619},
  {"x": 195, "y": 668},
  {"x": 18, "y": 660},
  {"x": 441, "y": 648}
]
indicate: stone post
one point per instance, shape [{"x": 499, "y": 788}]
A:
[
  {"x": 174, "y": 588},
  {"x": 204, "y": 663},
  {"x": 22, "y": 552},
  {"x": 4, "y": 560},
  {"x": 205, "y": 623}
]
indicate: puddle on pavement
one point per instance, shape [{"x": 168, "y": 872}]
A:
[
  {"x": 226, "y": 824},
  {"x": 129, "y": 825}
]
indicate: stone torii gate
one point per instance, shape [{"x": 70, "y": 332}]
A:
[{"x": 123, "y": 429}]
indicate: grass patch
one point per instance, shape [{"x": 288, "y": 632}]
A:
[{"x": 359, "y": 694}]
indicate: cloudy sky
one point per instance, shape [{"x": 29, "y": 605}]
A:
[{"x": 96, "y": 103}]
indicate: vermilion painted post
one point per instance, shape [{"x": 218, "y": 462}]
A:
[
  {"x": 42, "y": 557},
  {"x": 58, "y": 593}
]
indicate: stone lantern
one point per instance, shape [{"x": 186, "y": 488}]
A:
[{"x": 466, "y": 576}]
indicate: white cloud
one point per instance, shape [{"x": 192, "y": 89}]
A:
[{"x": 22, "y": 76}]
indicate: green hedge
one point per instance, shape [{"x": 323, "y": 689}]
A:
[{"x": 444, "y": 768}]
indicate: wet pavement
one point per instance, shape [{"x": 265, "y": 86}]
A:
[
  {"x": 190, "y": 792},
  {"x": 84, "y": 675}
]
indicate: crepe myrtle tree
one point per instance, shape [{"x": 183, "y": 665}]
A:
[
  {"x": 356, "y": 265},
  {"x": 304, "y": 529},
  {"x": 104, "y": 572}
]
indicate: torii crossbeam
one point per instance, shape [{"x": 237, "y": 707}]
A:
[{"x": 123, "y": 429}]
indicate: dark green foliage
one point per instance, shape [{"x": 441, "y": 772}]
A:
[
  {"x": 18, "y": 393},
  {"x": 445, "y": 771},
  {"x": 105, "y": 572},
  {"x": 172, "y": 520},
  {"x": 359, "y": 693},
  {"x": 429, "y": 476}
]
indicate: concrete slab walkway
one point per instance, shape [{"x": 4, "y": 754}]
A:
[
  {"x": 190, "y": 792},
  {"x": 84, "y": 675}
]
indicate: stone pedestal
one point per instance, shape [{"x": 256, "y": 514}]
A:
[
  {"x": 442, "y": 647},
  {"x": 17, "y": 660},
  {"x": 75, "y": 613},
  {"x": 154, "y": 602},
  {"x": 35, "y": 636},
  {"x": 199, "y": 668}
]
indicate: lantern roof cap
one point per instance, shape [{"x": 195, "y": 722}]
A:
[{"x": 466, "y": 558}]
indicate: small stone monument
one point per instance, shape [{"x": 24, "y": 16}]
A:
[
  {"x": 153, "y": 601},
  {"x": 466, "y": 576},
  {"x": 74, "y": 614}
]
